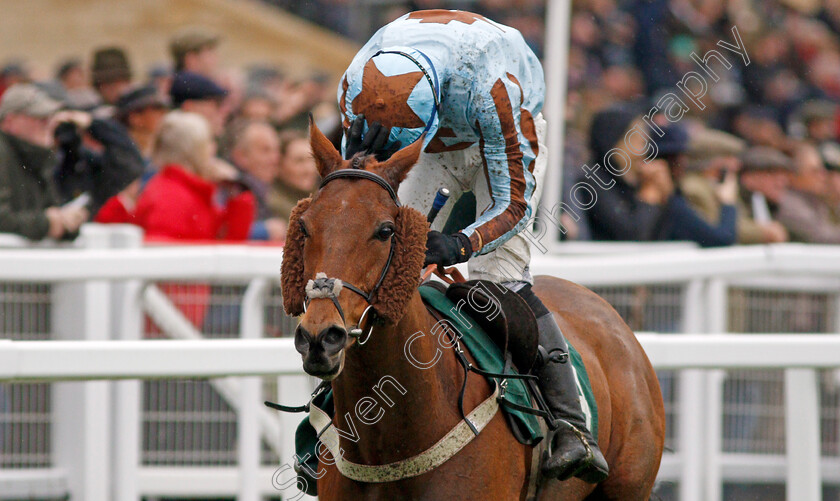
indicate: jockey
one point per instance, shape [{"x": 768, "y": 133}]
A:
[{"x": 476, "y": 90}]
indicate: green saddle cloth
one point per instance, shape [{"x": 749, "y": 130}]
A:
[{"x": 489, "y": 358}]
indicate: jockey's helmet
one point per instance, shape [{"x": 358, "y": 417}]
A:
[{"x": 397, "y": 87}]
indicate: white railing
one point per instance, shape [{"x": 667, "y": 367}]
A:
[{"x": 100, "y": 294}]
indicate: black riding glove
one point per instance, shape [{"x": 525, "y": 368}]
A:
[
  {"x": 372, "y": 143},
  {"x": 447, "y": 250}
]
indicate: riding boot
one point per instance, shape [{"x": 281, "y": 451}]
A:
[{"x": 573, "y": 451}]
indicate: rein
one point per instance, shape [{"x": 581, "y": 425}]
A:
[{"x": 329, "y": 288}]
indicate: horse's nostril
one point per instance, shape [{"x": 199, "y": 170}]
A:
[
  {"x": 302, "y": 340},
  {"x": 333, "y": 339}
]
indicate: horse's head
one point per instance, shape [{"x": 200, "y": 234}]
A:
[{"x": 352, "y": 253}]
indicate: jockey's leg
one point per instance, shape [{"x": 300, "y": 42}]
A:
[{"x": 575, "y": 452}]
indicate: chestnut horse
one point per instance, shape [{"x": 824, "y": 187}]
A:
[{"x": 352, "y": 229}]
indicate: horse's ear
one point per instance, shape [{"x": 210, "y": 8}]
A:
[
  {"x": 327, "y": 158},
  {"x": 396, "y": 168}
]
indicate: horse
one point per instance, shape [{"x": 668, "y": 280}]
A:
[{"x": 386, "y": 407}]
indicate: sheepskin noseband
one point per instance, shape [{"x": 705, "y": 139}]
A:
[{"x": 401, "y": 274}]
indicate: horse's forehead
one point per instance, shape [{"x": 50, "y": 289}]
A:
[{"x": 353, "y": 201}]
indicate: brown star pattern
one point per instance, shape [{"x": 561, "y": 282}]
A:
[
  {"x": 443, "y": 16},
  {"x": 385, "y": 99},
  {"x": 436, "y": 145}
]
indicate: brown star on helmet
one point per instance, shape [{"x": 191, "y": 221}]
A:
[
  {"x": 385, "y": 99},
  {"x": 443, "y": 16}
]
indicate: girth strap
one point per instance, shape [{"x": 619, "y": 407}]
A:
[{"x": 445, "y": 448}]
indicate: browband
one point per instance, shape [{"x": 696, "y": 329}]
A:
[{"x": 361, "y": 174}]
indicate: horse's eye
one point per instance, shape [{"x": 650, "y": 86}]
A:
[
  {"x": 303, "y": 230},
  {"x": 385, "y": 232}
]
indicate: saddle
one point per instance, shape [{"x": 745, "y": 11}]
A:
[{"x": 505, "y": 317}]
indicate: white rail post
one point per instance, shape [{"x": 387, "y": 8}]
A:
[
  {"x": 128, "y": 325},
  {"x": 81, "y": 425},
  {"x": 556, "y": 73},
  {"x": 692, "y": 384},
  {"x": 251, "y": 327},
  {"x": 802, "y": 432},
  {"x": 717, "y": 302}
]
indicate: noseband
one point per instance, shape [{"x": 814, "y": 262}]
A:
[{"x": 329, "y": 288}]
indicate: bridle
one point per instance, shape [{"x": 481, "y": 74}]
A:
[{"x": 329, "y": 288}]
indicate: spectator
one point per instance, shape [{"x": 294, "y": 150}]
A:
[
  {"x": 13, "y": 73},
  {"x": 96, "y": 173},
  {"x": 180, "y": 203},
  {"x": 141, "y": 110},
  {"x": 298, "y": 175},
  {"x": 110, "y": 73},
  {"x": 195, "y": 93},
  {"x": 764, "y": 178},
  {"x": 627, "y": 207},
  {"x": 194, "y": 50},
  {"x": 682, "y": 222},
  {"x": 160, "y": 76},
  {"x": 72, "y": 82},
  {"x": 256, "y": 105},
  {"x": 28, "y": 196},
  {"x": 714, "y": 156},
  {"x": 804, "y": 209},
  {"x": 256, "y": 151}
]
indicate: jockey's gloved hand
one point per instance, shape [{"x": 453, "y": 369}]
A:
[
  {"x": 373, "y": 143},
  {"x": 447, "y": 250}
]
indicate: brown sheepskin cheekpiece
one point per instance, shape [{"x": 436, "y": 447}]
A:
[
  {"x": 404, "y": 275},
  {"x": 292, "y": 280}
]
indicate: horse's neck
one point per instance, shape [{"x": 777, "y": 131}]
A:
[{"x": 384, "y": 398}]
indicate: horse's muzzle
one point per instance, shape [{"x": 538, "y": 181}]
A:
[{"x": 322, "y": 353}]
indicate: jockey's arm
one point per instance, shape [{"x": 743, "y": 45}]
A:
[{"x": 496, "y": 118}]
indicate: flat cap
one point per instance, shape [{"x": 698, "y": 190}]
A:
[
  {"x": 187, "y": 86},
  {"x": 706, "y": 144},
  {"x": 191, "y": 38},
  {"x": 764, "y": 158},
  {"x": 816, "y": 109},
  {"x": 29, "y": 100},
  {"x": 140, "y": 98}
]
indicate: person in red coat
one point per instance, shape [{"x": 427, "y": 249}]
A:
[{"x": 195, "y": 198}]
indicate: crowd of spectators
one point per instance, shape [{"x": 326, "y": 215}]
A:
[
  {"x": 192, "y": 152},
  {"x": 753, "y": 159},
  {"x": 751, "y": 154}
]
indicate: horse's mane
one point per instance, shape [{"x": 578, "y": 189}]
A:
[{"x": 399, "y": 284}]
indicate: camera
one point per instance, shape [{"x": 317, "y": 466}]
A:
[{"x": 67, "y": 136}]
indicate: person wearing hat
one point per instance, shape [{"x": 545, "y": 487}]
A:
[
  {"x": 193, "y": 49},
  {"x": 196, "y": 93},
  {"x": 29, "y": 198},
  {"x": 141, "y": 111},
  {"x": 629, "y": 206},
  {"x": 110, "y": 73},
  {"x": 99, "y": 174},
  {"x": 714, "y": 158},
  {"x": 804, "y": 208},
  {"x": 764, "y": 179},
  {"x": 680, "y": 221},
  {"x": 472, "y": 91}
]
